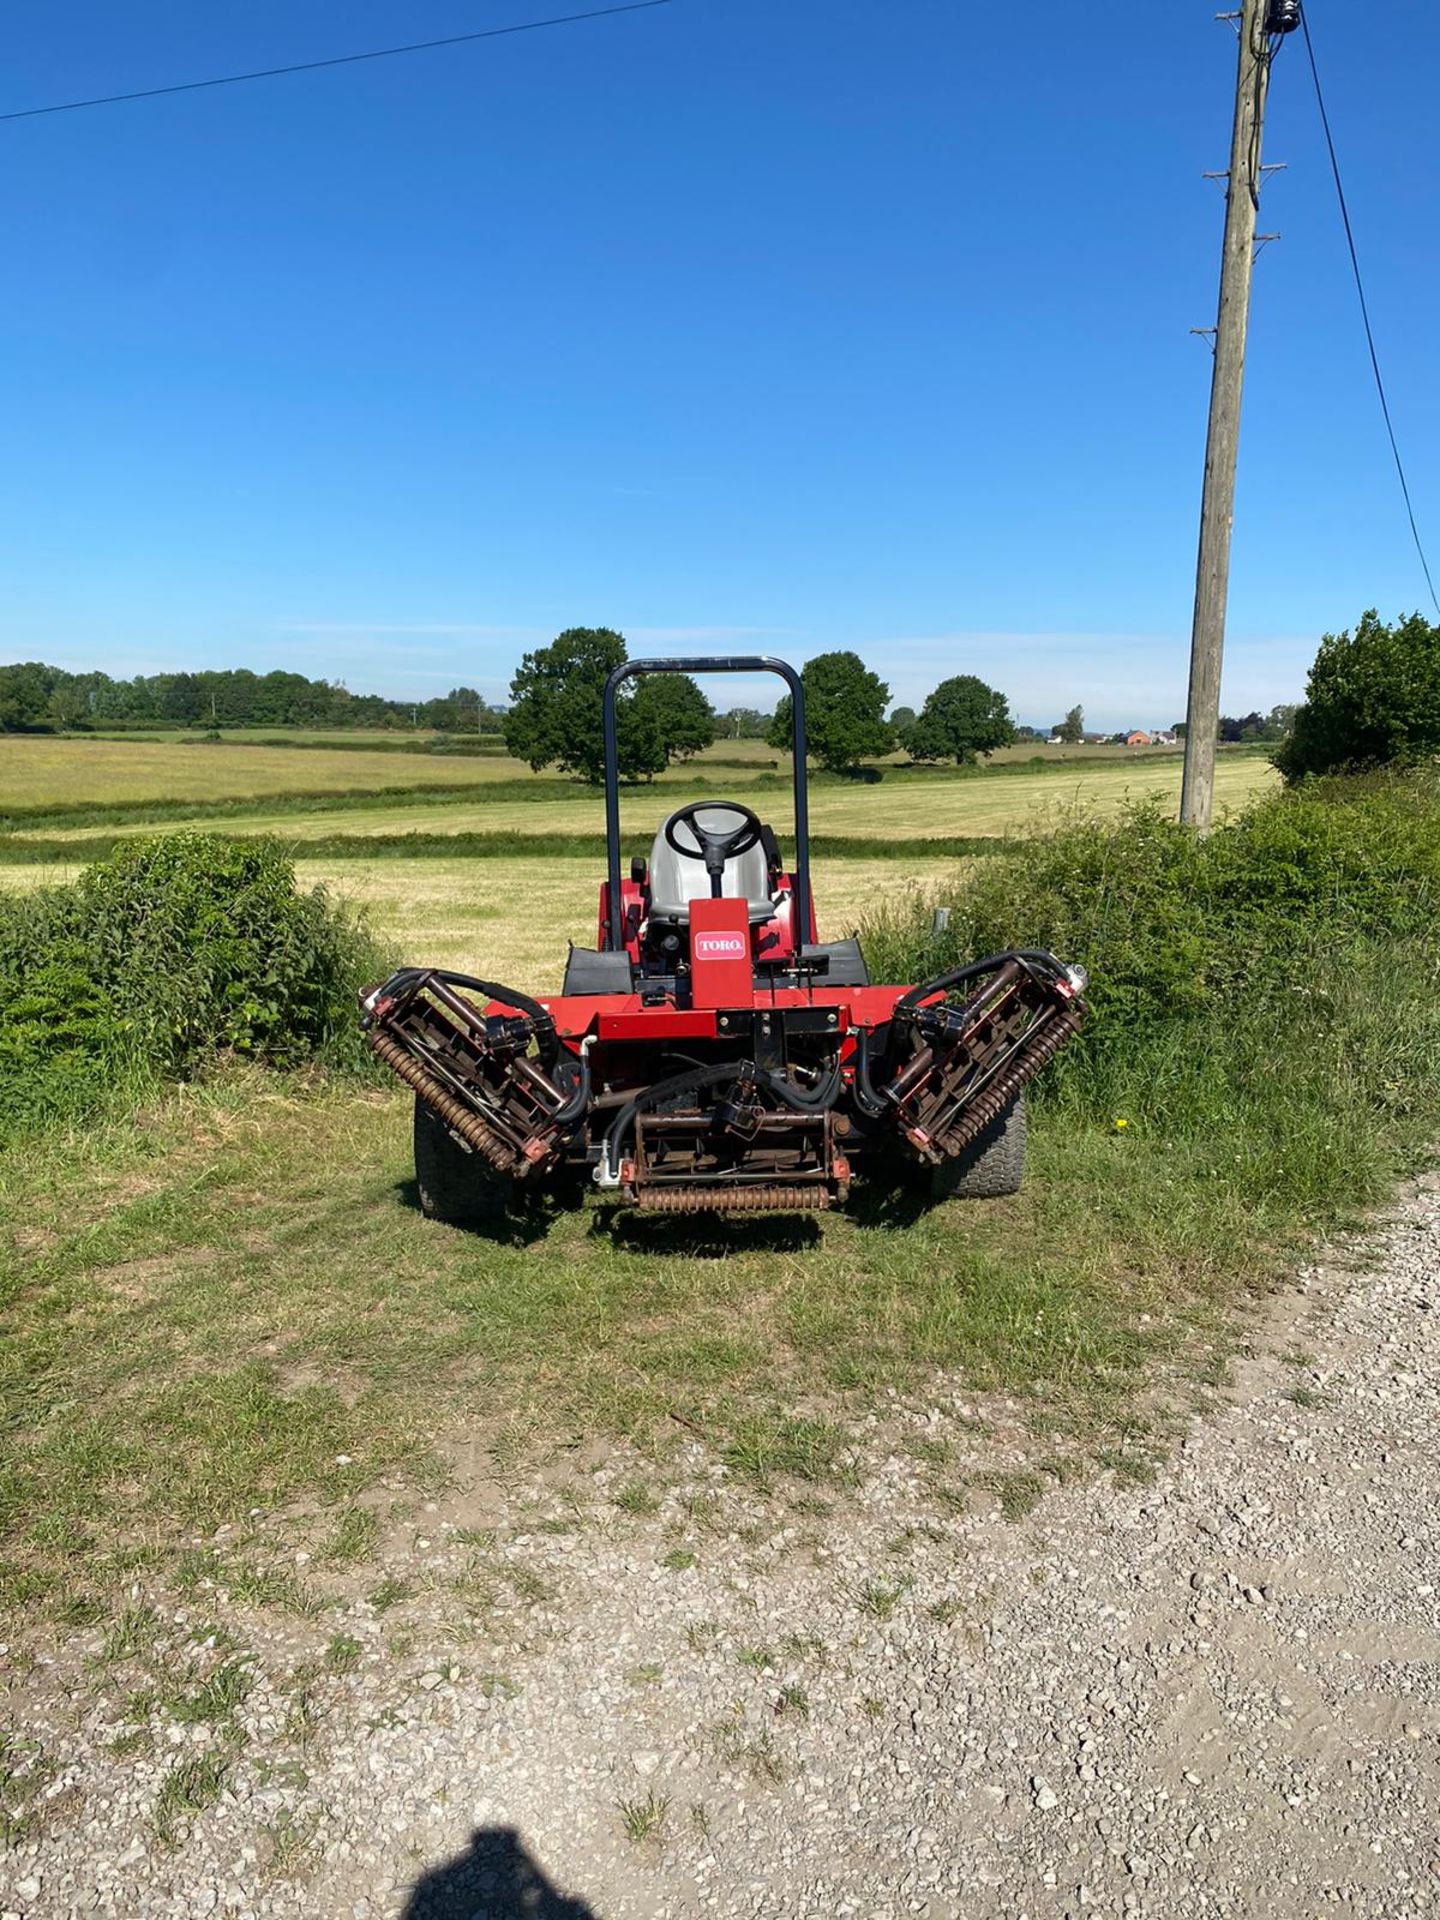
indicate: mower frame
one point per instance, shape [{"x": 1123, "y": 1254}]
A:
[
  {"x": 707, "y": 1058},
  {"x": 707, "y": 663}
]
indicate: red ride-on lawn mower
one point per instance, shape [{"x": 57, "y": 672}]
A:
[{"x": 710, "y": 1055}]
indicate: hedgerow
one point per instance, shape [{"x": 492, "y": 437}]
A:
[
  {"x": 167, "y": 954},
  {"x": 1265, "y": 1000}
]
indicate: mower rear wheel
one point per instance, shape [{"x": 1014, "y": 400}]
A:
[
  {"x": 993, "y": 1164},
  {"x": 457, "y": 1187}
]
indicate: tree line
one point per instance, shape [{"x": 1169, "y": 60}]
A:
[
  {"x": 39, "y": 698},
  {"x": 554, "y": 716},
  {"x": 1372, "y": 700}
]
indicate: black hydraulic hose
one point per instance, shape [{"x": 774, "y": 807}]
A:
[
  {"x": 1032, "y": 958},
  {"x": 866, "y": 1098},
  {"x": 579, "y": 1101},
  {"x": 679, "y": 1083},
  {"x": 543, "y": 1022},
  {"x": 824, "y": 1096}
]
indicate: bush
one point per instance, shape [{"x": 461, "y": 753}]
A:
[
  {"x": 1372, "y": 700},
  {"x": 1268, "y": 996},
  {"x": 171, "y": 951}
]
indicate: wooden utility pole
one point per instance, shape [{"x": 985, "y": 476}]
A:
[{"x": 1222, "y": 444}]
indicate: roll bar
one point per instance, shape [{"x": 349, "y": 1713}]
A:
[{"x": 709, "y": 663}]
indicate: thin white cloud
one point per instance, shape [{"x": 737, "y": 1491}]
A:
[
  {"x": 698, "y": 635},
  {"x": 1121, "y": 679},
  {"x": 436, "y": 627}
]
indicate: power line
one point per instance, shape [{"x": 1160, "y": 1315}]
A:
[
  {"x": 1365, "y": 305},
  {"x": 336, "y": 60}
]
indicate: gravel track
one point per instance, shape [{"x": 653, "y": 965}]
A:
[{"x": 1215, "y": 1694}]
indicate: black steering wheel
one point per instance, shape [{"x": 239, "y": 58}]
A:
[{"x": 715, "y": 848}]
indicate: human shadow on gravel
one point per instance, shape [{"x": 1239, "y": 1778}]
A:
[{"x": 494, "y": 1879}]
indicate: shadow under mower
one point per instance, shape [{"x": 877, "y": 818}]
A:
[{"x": 709, "y": 1055}]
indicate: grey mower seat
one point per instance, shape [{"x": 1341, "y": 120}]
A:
[{"x": 677, "y": 879}]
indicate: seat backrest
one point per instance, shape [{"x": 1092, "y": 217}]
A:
[{"x": 677, "y": 879}]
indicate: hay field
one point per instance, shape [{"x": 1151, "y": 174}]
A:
[
  {"x": 37, "y": 770},
  {"x": 929, "y": 807},
  {"x": 513, "y": 918}
]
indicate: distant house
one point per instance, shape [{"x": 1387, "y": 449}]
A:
[
  {"x": 1164, "y": 740},
  {"x": 1137, "y": 739}
]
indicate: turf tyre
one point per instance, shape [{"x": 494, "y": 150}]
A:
[
  {"x": 991, "y": 1166},
  {"x": 459, "y": 1188}
]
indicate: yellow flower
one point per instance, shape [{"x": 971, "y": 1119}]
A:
[{"x": 1120, "y": 1125}]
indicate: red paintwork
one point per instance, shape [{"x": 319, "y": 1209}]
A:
[
  {"x": 773, "y": 942},
  {"x": 720, "y": 953},
  {"x": 623, "y": 1016}
]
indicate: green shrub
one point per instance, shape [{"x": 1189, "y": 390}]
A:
[
  {"x": 1268, "y": 997},
  {"x": 171, "y": 951},
  {"x": 1372, "y": 700}
]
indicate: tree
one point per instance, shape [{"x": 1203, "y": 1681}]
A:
[
  {"x": 962, "y": 719},
  {"x": 1372, "y": 700},
  {"x": 902, "y": 725},
  {"x": 469, "y": 708},
  {"x": 744, "y": 723},
  {"x": 844, "y": 712},
  {"x": 557, "y": 708},
  {"x": 1072, "y": 728},
  {"x": 555, "y": 701},
  {"x": 69, "y": 703},
  {"x": 683, "y": 718},
  {"x": 25, "y": 690}
]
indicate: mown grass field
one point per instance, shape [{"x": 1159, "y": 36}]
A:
[
  {"x": 232, "y": 1309},
  {"x": 514, "y": 917},
  {"x": 301, "y": 795}
]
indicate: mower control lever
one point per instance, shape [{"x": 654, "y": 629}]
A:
[{"x": 715, "y": 848}]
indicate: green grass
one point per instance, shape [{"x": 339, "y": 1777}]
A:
[
  {"x": 230, "y": 1302},
  {"x": 191, "y": 1786},
  {"x": 643, "y": 1819},
  {"x": 69, "y": 805},
  {"x": 176, "y": 1349}
]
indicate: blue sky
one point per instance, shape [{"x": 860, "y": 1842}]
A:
[{"x": 762, "y": 325}]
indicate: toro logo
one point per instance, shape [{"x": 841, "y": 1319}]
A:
[{"x": 720, "y": 946}]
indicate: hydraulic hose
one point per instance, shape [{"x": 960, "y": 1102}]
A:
[
  {"x": 579, "y": 1101},
  {"x": 692, "y": 1082},
  {"x": 546, "y": 1039},
  {"x": 1033, "y": 959},
  {"x": 866, "y": 1098},
  {"x": 824, "y": 1096}
]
